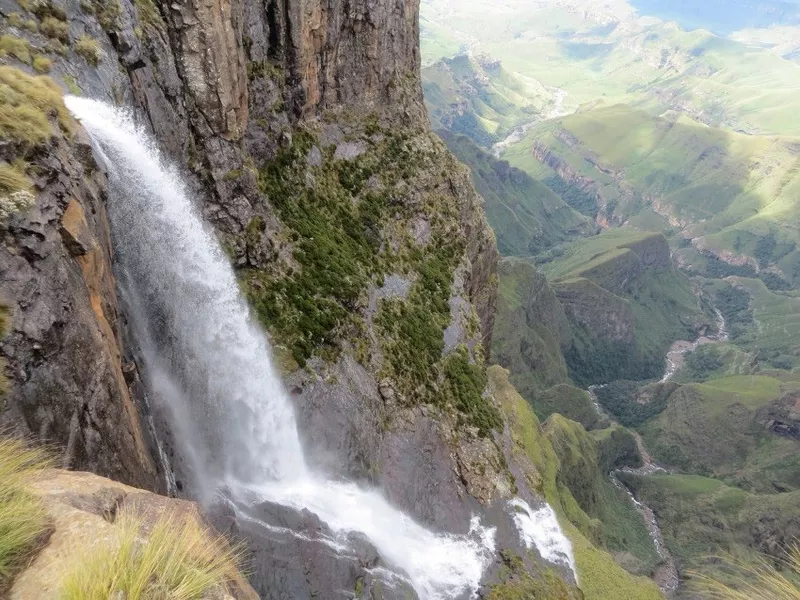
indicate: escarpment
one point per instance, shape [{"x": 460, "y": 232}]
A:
[{"x": 357, "y": 238}]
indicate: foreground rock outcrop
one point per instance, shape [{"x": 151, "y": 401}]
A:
[{"x": 82, "y": 509}]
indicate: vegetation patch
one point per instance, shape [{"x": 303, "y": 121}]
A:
[
  {"x": 42, "y": 64},
  {"x": 11, "y": 45},
  {"x": 348, "y": 221},
  {"x": 466, "y": 383},
  {"x": 149, "y": 14},
  {"x": 89, "y": 49},
  {"x": 55, "y": 29},
  {"x": 633, "y": 402},
  {"x": 23, "y": 519},
  {"x": 519, "y": 584},
  {"x": 179, "y": 559},
  {"x": 25, "y": 103}
]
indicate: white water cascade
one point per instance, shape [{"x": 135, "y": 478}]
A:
[
  {"x": 212, "y": 365},
  {"x": 540, "y": 529}
]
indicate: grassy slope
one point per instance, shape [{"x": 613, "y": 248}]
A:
[
  {"x": 497, "y": 99},
  {"x": 701, "y": 517},
  {"x": 711, "y": 429},
  {"x": 642, "y": 61},
  {"x": 777, "y": 320},
  {"x": 731, "y": 189},
  {"x": 527, "y": 216},
  {"x": 601, "y": 578},
  {"x": 662, "y": 304}
]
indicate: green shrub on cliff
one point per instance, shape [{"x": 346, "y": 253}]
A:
[
  {"x": 23, "y": 519},
  {"x": 179, "y": 559},
  {"x": 19, "y": 48}
]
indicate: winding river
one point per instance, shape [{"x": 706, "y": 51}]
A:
[{"x": 666, "y": 574}]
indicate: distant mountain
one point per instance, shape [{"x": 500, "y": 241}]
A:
[{"x": 723, "y": 16}]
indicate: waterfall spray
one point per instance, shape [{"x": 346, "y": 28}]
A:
[{"x": 212, "y": 368}]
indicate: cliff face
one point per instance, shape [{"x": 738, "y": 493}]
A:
[
  {"x": 285, "y": 117},
  {"x": 70, "y": 380}
]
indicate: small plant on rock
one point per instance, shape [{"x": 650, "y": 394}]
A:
[{"x": 89, "y": 49}]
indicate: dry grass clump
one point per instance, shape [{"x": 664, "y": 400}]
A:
[
  {"x": 42, "y": 64},
  {"x": 11, "y": 45},
  {"x": 179, "y": 559},
  {"x": 89, "y": 49},
  {"x": 23, "y": 519},
  {"x": 55, "y": 29},
  {"x": 25, "y": 102},
  {"x": 759, "y": 581}
]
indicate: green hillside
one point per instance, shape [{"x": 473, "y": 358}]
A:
[
  {"x": 718, "y": 428},
  {"x": 526, "y": 215},
  {"x": 701, "y": 517},
  {"x": 476, "y": 96},
  {"x": 626, "y": 304},
  {"x": 610, "y": 53},
  {"x": 601, "y": 577},
  {"x": 732, "y": 195}
]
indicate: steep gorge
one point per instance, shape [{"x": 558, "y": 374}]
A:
[{"x": 359, "y": 240}]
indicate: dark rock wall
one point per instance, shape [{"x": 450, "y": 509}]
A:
[{"x": 224, "y": 86}]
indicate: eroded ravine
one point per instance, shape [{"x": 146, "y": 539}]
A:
[{"x": 666, "y": 574}]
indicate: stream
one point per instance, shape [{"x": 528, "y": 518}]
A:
[
  {"x": 518, "y": 133},
  {"x": 666, "y": 574}
]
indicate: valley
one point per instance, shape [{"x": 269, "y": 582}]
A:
[
  {"x": 424, "y": 300},
  {"x": 640, "y": 165}
]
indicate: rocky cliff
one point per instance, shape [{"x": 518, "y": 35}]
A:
[
  {"x": 229, "y": 88},
  {"x": 357, "y": 238}
]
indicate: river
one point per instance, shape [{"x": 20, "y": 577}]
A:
[
  {"x": 557, "y": 110},
  {"x": 666, "y": 574}
]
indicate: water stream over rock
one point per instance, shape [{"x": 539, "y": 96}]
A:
[{"x": 210, "y": 372}]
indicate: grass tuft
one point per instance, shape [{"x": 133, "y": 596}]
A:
[
  {"x": 20, "y": 49},
  {"x": 758, "y": 581},
  {"x": 179, "y": 560},
  {"x": 25, "y": 102},
  {"x": 55, "y": 29},
  {"x": 23, "y": 519},
  {"x": 42, "y": 64},
  {"x": 89, "y": 49}
]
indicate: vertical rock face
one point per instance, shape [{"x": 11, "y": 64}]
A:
[
  {"x": 208, "y": 39},
  {"x": 69, "y": 381},
  {"x": 353, "y": 52}
]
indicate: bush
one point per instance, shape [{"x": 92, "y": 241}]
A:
[
  {"x": 179, "y": 559},
  {"x": 23, "y": 520},
  {"x": 466, "y": 383},
  {"x": 25, "y": 102},
  {"x": 20, "y": 49},
  {"x": 41, "y": 64},
  {"x": 622, "y": 399},
  {"x": 55, "y": 29},
  {"x": 703, "y": 362},
  {"x": 89, "y": 49}
]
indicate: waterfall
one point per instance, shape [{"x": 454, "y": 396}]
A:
[
  {"x": 540, "y": 529},
  {"x": 210, "y": 364}
]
